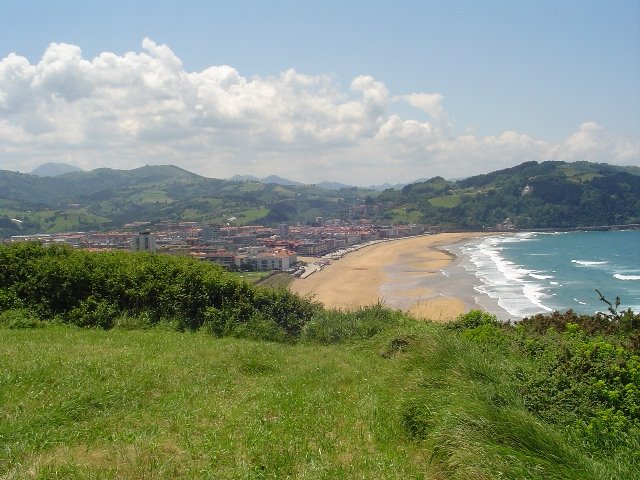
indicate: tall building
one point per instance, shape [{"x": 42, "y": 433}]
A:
[
  {"x": 283, "y": 230},
  {"x": 143, "y": 242},
  {"x": 210, "y": 232}
]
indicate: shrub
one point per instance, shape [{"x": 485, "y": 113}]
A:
[
  {"x": 129, "y": 290},
  {"x": 94, "y": 312},
  {"x": 473, "y": 319},
  {"x": 128, "y": 321},
  {"x": 20, "y": 318}
]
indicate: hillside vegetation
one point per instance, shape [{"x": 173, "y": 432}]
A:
[
  {"x": 137, "y": 366},
  {"x": 531, "y": 195},
  {"x": 110, "y": 198}
]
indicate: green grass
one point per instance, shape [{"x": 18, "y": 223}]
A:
[
  {"x": 250, "y": 277},
  {"x": 154, "y": 404},
  {"x": 250, "y": 215},
  {"x": 447, "y": 201},
  {"x": 153, "y": 195},
  {"x": 54, "y": 221},
  {"x": 370, "y": 395},
  {"x": 278, "y": 280},
  {"x": 403, "y": 215}
]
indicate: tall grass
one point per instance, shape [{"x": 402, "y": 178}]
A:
[
  {"x": 407, "y": 400},
  {"x": 161, "y": 404}
]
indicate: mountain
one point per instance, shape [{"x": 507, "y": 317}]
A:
[
  {"x": 279, "y": 181},
  {"x": 244, "y": 178},
  {"x": 51, "y": 169},
  {"x": 333, "y": 185},
  {"x": 104, "y": 198},
  {"x": 532, "y": 195},
  {"x": 271, "y": 179},
  {"x": 387, "y": 186},
  {"x": 324, "y": 185}
]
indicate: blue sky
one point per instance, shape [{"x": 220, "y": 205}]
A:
[{"x": 563, "y": 77}]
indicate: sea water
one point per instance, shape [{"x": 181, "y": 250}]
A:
[{"x": 529, "y": 273}]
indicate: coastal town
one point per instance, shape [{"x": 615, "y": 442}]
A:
[{"x": 249, "y": 247}]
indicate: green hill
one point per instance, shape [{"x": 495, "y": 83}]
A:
[
  {"x": 105, "y": 198},
  {"x": 531, "y": 195}
]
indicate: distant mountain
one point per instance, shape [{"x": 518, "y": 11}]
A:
[
  {"x": 387, "y": 186},
  {"x": 274, "y": 179},
  {"x": 105, "y": 197},
  {"x": 279, "y": 181},
  {"x": 333, "y": 185},
  {"x": 51, "y": 169},
  {"x": 271, "y": 179},
  {"x": 244, "y": 178},
  {"x": 529, "y": 196}
]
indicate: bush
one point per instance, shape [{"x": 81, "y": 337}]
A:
[
  {"x": 9, "y": 300},
  {"x": 473, "y": 319},
  {"x": 94, "y": 312},
  {"x": 127, "y": 321},
  {"x": 586, "y": 377},
  {"x": 138, "y": 290},
  {"x": 20, "y": 318}
]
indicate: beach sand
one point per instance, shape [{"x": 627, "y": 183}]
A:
[{"x": 392, "y": 273}]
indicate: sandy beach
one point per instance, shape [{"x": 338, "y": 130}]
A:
[{"x": 392, "y": 273}]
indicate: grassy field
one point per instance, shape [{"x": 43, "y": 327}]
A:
[
  {"x": 154, "y": 404},
  {"x": 88, "y": 404},
  {"x": 278, "y": 280},
  {"x": 447, "y": 201},
  {"x": 250, "y": 277}
]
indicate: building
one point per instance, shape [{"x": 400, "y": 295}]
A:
[
  {"x": 143, "y": 242},
  {"x": 210, "y": 232},
  {"x": 283, "y": 230},
  {"x": 220, "y": 257},
  {"x": 278, "y": 259}
]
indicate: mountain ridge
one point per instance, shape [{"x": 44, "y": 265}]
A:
[{"x": 529, "y": 195}]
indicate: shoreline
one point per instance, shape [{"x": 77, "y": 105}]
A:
[{"x": 402, "y": 273}]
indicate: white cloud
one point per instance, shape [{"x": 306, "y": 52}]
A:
[
  {"x": 430, "y": 103},
  {"x": 142, "y": 107}
]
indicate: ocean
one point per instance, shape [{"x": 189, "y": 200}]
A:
[{"x": 521, "y": 274}]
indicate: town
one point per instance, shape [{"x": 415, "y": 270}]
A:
[{"x": 249, "y": 247}]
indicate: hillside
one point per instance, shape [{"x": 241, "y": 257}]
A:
[
  {"x": 530, "y": 195},
  {"x": 152, "y": 366},
  {"x": 105, "y": 198}
]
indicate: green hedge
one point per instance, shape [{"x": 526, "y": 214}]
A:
[{"x": 97, "y": 289}]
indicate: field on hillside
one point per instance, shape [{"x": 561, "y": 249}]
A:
[
  {"x": 130, "y": 366},
  {"x": 416, "y": 400}
]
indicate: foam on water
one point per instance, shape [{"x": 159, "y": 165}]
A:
[
  {"x": 514, "y": 287},
  {"x": 619, "y": 276},
  {"x": 534, "y": 273},
  {"x": 588, "y": 263},
  {"x": 537, "y": 276}
]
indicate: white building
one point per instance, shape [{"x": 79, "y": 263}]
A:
[
  {"x": 280, "y": 259},
  {"x": 143, "y": 242}
]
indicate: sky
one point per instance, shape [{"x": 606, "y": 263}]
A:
[{"x": 361, "y": 92}]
